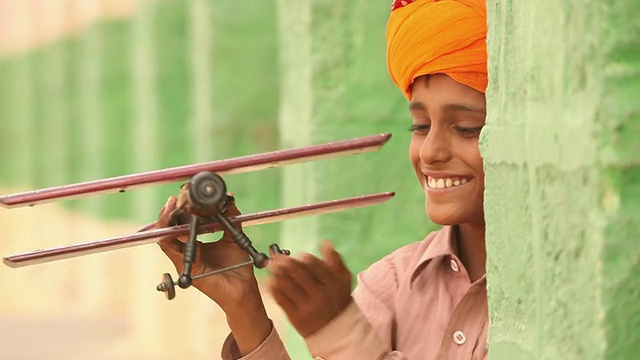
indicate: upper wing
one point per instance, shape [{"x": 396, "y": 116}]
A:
[{"x": 181, "y": 173}]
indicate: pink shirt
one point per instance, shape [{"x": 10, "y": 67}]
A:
[{"x": 416, "y": 303}]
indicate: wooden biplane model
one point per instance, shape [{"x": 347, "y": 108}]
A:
[{"x": 201, "y": 206}]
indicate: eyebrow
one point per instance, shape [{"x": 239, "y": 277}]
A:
[{"x": 415, "y": 105}]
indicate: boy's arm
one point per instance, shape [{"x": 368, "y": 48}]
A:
[
  {"x": 271, "y": 348},
  {"x": 250, "y": 328}
]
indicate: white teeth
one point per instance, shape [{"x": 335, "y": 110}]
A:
[{"x": 444, "y": 183}]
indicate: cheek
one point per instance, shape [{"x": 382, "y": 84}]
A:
[
  {"x": 414, "y": 157},
  {"x": 474, "y": 160},
  {"x": 471, "y": 156},
  {"x": 478, "y": 164},
  {"x": 414, "y": 151}
]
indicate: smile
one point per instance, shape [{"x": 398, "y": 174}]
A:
[{"x": 443, "y": 183}]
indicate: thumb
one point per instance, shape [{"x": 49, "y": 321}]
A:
[
  {"x": 172, "y": 248},
  {"x": 332, "y": 256}
]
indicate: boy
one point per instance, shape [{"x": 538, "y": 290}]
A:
[{"x": 426, "y": 300}]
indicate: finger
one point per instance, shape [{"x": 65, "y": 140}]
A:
[
  {"x": 164, "y": 220},
  {"x": 230, "y": 198},
  {"x": 293, "y": 278},
  {"x": 231, "y": 211},
  {"x": 317, "y": 268},
  {"x": 164, "y": 207},
  {"x": 172, "y": 248},
  {"x": 303, "y": 271},
  {"x": 230, "y": 203},
  {"x": 281, "y": 297},
  {"x": 333, "y": 257},
  {"x": 172, "y": 244},
  {"x": 165, "y": 213},
  {"x": 169, "y": 245}
]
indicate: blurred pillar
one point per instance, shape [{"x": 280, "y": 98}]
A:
[
  {"x": 562, "y": 172},
  {"x": 18, "y": 155},
  {"x": 145, "y": 141},
  {"x": 89, "y": 129},
  {"x": 295, "y": 120},
  {"x": 200, "y": 27},
  {"x": 335, "y": 86}
]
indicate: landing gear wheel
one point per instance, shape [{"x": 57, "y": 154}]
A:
[
  {"x": 167, "y": 286},
  {"x": 207, "y": 191}
]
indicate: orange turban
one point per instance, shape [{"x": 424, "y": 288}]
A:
[{"x": 432, "y": 36}]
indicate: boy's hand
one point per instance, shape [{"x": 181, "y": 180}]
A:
[
  {"x": 311, "y": 291},
  {"x": 230, "y": 289}
]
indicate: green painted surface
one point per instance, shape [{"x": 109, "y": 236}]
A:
[
  {"x": 71, "y": 110},
  {"x": 562, "y": 201}
]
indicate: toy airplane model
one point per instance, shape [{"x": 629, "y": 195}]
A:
[{"x": 201, "y": 206}]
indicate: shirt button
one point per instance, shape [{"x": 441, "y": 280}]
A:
[
  {"x": 459, "y": 337},
  {"x": 454, "y": 265}
]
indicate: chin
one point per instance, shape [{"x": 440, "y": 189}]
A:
[
  {"x": 450, "y": 214},
  {"x": 443, "y": 220}
]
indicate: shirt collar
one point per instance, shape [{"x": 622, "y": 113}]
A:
[{"x": 443, "y": 243}]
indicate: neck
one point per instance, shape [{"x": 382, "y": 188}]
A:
[{"x": 471, "y": 249}]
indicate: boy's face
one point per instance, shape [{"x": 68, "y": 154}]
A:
[{"x": 447, "y": 119}]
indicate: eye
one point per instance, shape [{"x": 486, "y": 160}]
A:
[
  {"x": 468, "y": 131},
  {"x": 419, "y": 129}
]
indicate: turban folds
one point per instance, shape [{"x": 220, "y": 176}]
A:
[{"x": 432, "y": 36}]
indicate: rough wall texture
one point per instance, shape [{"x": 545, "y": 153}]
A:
[{"x": 562, "y": 167}]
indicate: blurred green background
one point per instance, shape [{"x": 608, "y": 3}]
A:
[{"x": 115, "y": 88}]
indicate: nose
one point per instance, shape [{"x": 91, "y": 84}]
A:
[{"x": 435, "y": 147}]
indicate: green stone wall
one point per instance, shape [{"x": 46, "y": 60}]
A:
[{"x": 562, "y": 168}]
